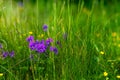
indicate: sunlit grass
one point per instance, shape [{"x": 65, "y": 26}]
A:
[{"x": 89, "y": 41}]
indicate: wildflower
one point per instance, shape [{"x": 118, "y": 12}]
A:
[
  {"x": 118, "y": 76},
  {"x": 54, "y": 49},
  {"x": 48, "y": 41},
  {"x": 114, "y": 34},
  {"x": 30, "y": 33},
  {"x": 105, "y": 74},
  {"x": 30, "y": 38},
  {"x": 12, "y": 54},
  {"x": 1, "y": 74},
  {"x": 51, "y": 48},
  {"x": 101, "y": 52},
  {"x": 32, "y": 45},
  {"x": 0, "y": 45},
  {"x": 42, "y": 42},
  {"x": 40, "y": 48},
  {"x": 5, "y": 54},
  {"x": 45, "y": 27},
  {"x": 37, "y": 42},
  {"x": 42, "y": 35},
  {"x": 118, "y": 45}
]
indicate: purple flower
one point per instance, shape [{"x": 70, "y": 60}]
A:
[
  {"x": 32, "y": 45},
  {"x": 51, "y": 48},
  {"x": 45, "y": 27},
  {"x": 1, "y": 46},
  {"x": 12, "y": 54},
  {"x": 54, "y": 49},
  {"x": 37, "y": 42},
  {"x": 5, "y": 54},
  {"x": 40, "y": 48},
  {"x": 48, "y": 41},
  {"x": 30, "y": 38},
  {"x": 42, "y": 42}
]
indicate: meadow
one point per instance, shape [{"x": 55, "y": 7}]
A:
[{"x": 74, "y": 41}]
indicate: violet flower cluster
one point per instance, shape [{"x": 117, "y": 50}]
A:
[
  {"x": 41, "y": 46},
  {"x": 6, "y": 54}
]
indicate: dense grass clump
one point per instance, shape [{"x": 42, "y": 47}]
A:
[{"x": 59, "y": 40}]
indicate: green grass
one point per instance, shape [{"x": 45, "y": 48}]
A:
[{"x": 89, "y": 31}]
